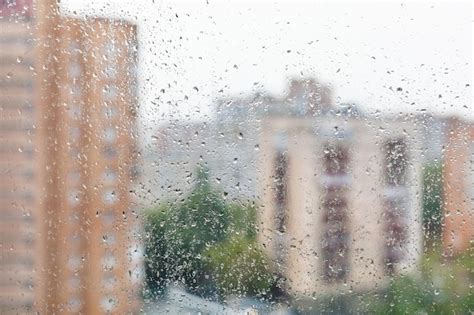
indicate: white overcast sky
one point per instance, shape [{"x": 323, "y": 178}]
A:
[{"x": 362, "y": 49}]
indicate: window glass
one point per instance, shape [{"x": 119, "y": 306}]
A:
[{"x": 235, "y": 157}]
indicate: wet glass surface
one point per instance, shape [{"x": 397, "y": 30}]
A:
[{"x": 236, "y": 157}]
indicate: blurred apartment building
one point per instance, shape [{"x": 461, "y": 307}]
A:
[
  {"x": 432, "y": 130},
  {"x": 341, "y": 204},
  {"x": 68, "y": 101},
  {"x": 168, "y": 168},
  {"x": 340, "y": 191},
  {"x": 458, "y": 173},
  {"x": 228, "y": 145},
  {"x": 21, "y": 255}
]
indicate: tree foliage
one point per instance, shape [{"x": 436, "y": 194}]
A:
[
  {"x": 240, "y": 268},
  {"x": 176, "y": 235},
  {"x": 444, "y": 288},
  {"x": 432, "y": 201},
  {"x": 205, "y": 244}
]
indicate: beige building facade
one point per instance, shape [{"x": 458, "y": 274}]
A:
[{"x": 341, "y": 205}]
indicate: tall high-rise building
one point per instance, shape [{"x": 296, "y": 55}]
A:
[
  {"x": 20, "y": 197},
  {"x": 68, "y": 141},
  {"x": 95, "y": 134}
]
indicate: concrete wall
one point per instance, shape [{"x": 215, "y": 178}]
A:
[{"x": 304, "y": 139}]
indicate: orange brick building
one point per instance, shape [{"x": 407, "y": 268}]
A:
[
  {"x": 458, "y": 232},
  {"x": 68, "y": 162}
]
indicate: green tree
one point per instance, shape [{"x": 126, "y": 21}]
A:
[
  {"x": 177, "y": 234},
  {"x": 444, "y": 288},
  {"x": 432, "y": 202},
  {"x": 205, "y": 244},
  {"x": 240, "y": 268},
  {"x": 242, "y": 220}
]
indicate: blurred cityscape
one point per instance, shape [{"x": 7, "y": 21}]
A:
[{"x": 288, "y": 205}]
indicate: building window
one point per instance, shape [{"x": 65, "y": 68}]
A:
[
  {"x": 110, "y": 197},
  {"x": 110, "y": 92},
  {"x": 395, "y": 174},
  {"x": 395, "y": 162},
  {"x": 280, "y": 191},
  {"x": 110, "y": 111},
  {"x": 74, "y": 198},
  {"x": 335, "y": 159},
  {"x": 110, "y": 135},
  {"x": 335, "y": 248}
]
